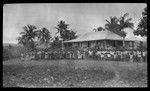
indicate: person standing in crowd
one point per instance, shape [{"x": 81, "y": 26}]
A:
[
  {"x": 36, "y": 58},
  {"x": 64, "y": 54},
  {"x": 50, "y": 55},
  {"x": 39, "y": 55},
  {"x": 90, "y": 53},
  {"x": 84, "y": 54},
  {"x": 105, "y": 55},
  {"x": 111, "y": 54},
  {"x": 131, "y": 56},
  {"x": 102, "y": 56},
  {"x": 139, "y": 56},
  {"x": 58, "y": 55},
  {"x": 22, "y": 57},
  {"x": 27, "y": 57},
  {"x": 121, "y": 55},
  {"x": 115, "y": 56},
  {"x": 98, "y": 53},
  {"x": 144, "y": 56},
  {"x": 124, "y": 55},
  {"x": 73, "y": 54},
  {"x": 108, "y": 55},
  {"x": 78, "y": 54},
  {"x": 118, "y": 56},
  {"x": 135, "y": 56},
  {"x": 55, "y": 55},
  {"x": 32, "y": 56},
  {"x": 68, "y": 55},
  {"x": 46, "y": 55},
  {"x": 128, "y": 55}
]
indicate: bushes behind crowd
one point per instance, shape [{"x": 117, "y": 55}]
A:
[{"x": 13, "y": 52}]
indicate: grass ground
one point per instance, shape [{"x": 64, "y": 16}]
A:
[{"x": 74, "y": 73}]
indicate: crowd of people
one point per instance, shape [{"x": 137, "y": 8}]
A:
[{"x": 114, "y": 55}]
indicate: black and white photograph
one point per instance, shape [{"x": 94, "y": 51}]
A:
[{"x": 74, "y": 45}]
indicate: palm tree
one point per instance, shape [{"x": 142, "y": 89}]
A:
[
  {"x": 27, "y": 36},
  {"x": 112, "y": 24},
  {"x": 65, "y": 33},
  {"x": 61, "y": 27},
  {"x": 44, "y": 36},
  {"x": 125, "y": 23},
  {"x": 117, "y": 25}
]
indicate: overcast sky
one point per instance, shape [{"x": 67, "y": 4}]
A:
[{"x": 82, "y": 17}]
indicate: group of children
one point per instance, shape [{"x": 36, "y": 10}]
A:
[{"x": 115, "y": 55}]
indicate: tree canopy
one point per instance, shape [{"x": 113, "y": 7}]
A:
[
  {"x": 64, "y": 32},
  {"x": 142, "y": 25},
  {"x": 27, "y": 37}
]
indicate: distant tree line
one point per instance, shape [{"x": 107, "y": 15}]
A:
[{"x": 32, "y": 37}]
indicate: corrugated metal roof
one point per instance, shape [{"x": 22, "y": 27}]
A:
[{"x": 100, "y": 35}]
